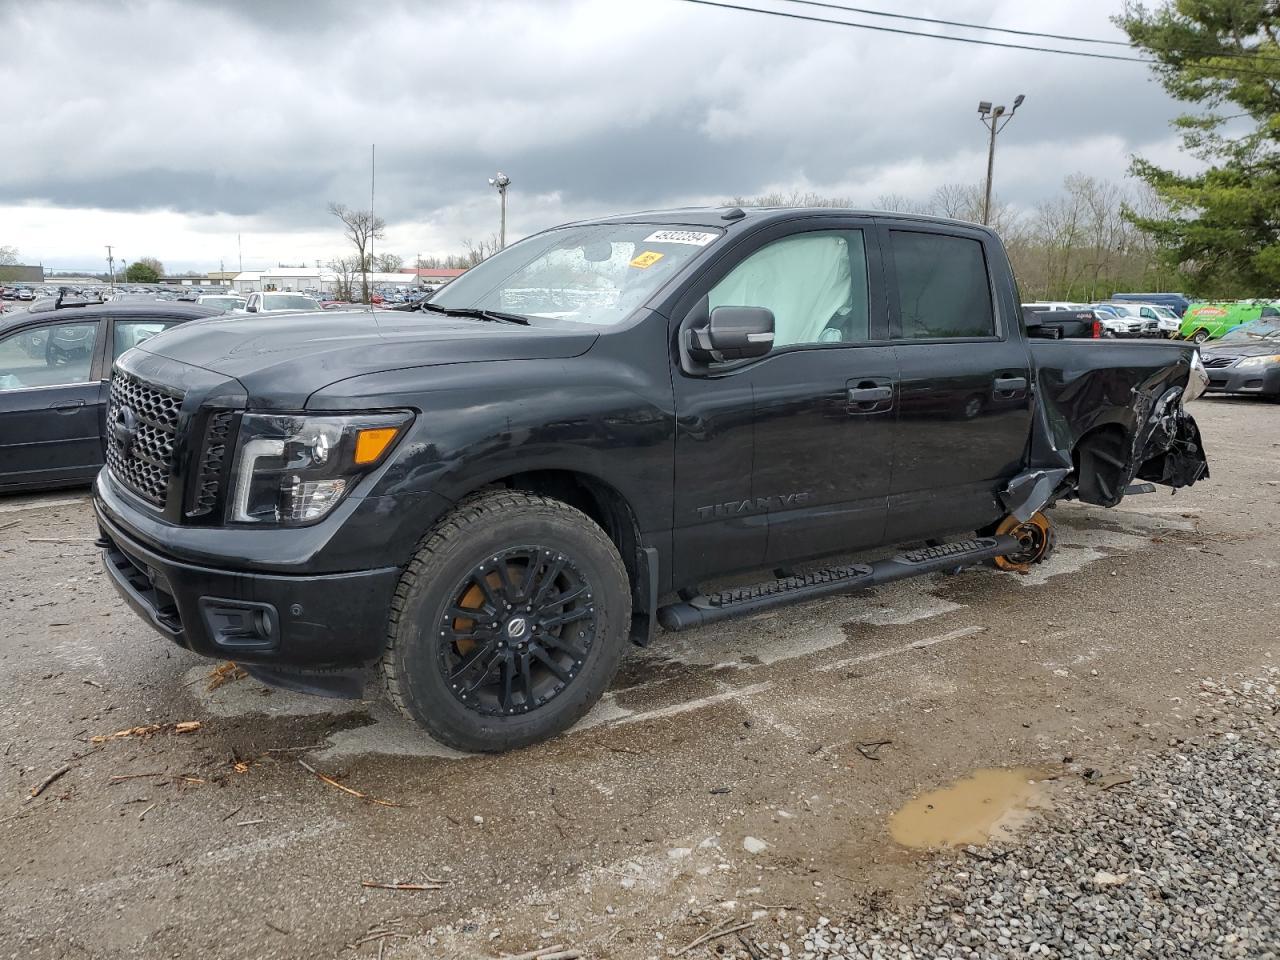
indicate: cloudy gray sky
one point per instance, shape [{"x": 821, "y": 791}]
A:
[{"x": 167, "y": 127}]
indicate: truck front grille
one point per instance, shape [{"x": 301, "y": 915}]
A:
[{"x": 142, "y": 427}]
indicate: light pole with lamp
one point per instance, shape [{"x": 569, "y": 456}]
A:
[
  {"x": 994, "y": 119},
  {"x": 502, "y": 181}
]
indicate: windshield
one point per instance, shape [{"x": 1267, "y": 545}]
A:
[
  {"x": 223, "y": 303},
  {"x": 593, "y": 274},
  {"x": 1124, "y": 310},
  {"x": 285, "y": 301},
  {"x": 1266, "y": 329}
]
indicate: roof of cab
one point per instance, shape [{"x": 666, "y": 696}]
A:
[
  {"x": 69, "y": 311},
  {"x": 730, "y": 217}
]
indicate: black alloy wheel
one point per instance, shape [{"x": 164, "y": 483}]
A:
[{"x": 521, "y": 626}]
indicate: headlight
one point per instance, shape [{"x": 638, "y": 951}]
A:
[
  {"x": 293, "y": 470},
  {"x": 1197, "y": 378},
  {"x": 1259, "y": 361}
]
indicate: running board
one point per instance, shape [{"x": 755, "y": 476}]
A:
[{"x": 703, "y": 609}]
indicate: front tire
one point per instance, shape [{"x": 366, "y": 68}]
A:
[
  {"x": 1200, "y": 336},
  {"x": 508, "y": 624}
]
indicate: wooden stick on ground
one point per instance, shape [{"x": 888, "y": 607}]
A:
[
  {"x": 713, "y": 935},
  {"x": 345, "y": 789},
  {"x": 534, "y": 954},
  {"x": 431, "y": 884},
  {"x": 44, "y": 784}
]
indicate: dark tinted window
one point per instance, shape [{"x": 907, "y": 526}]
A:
[{"x": 942, "y": 286}]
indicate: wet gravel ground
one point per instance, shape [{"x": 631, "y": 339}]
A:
[{"x": 1181, "y": 861}]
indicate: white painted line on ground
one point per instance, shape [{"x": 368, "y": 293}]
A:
[
  {"x": 894, "y": 651},
  {"x": 40, "y": 504},
  {"x": 679, "y": 708}
]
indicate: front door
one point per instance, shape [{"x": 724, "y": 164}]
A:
[
  {"x": 51, "y": 402},
  {"x": 965, "y": 413},
  {"x": 788, "y": 456}
]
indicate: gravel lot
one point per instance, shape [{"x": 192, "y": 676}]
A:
[
  {"x": 726, "y": 779},
  {"x": 1181, "y": 859}
]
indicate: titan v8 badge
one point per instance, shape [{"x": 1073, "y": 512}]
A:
[{"x": 731, "y": 508}]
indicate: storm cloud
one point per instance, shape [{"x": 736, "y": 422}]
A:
[{"x": 172, "y": 127}]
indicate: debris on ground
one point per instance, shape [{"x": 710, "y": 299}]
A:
[
  {"x": 150, "y": 730},
  {"x": 431, "y": 883},
  {"x": 48, "y": 781},
  {"x": 345, "y": 789},
  {"x": 227, "y": 672}
]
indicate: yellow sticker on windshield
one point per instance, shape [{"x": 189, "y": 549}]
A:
[{"x": 646, "y": 260}]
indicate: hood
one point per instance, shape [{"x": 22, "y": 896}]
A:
[
  {"x": 289, "y": 356},
  {"x": 1241, "y": 348}
]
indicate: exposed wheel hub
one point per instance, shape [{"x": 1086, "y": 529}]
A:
[
  {"x": 1035, "y": 542},
  {"x": 517, "y": 631}
]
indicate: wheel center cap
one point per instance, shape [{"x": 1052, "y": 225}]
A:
[{"x": 517, "y": 627}]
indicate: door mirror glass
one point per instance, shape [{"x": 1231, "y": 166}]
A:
[{"x": 733, "y": 333}]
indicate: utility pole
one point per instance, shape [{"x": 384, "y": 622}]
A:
[
  {"x": 502, "y": 181},
  {"x": 994, "y": 119},
  {"x": 111, "y": 265}
]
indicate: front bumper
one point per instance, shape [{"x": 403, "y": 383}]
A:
[
  {"x": 1260, "y": 381},
  {"x": 305, "y": 626}
]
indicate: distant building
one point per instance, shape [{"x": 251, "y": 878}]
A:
[
  {"x": 22, "y": 273},
  {"x": 433, "y": 275},
  {"x": 301, "y": 279}
]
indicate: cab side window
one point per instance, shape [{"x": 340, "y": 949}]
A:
[
  {"x": 943, "y": 288},
  {"x": 815, "y": 284},
  {"x": 52, "y": 355}
]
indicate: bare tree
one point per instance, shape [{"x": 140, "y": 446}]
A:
[
  {"x": 8, "y": 256},
  {"x": 478, "y": 252},
  {"x": 388, "y": 263},
  {"x": 361, "y": 228},
  {"x": 345, "y": 270}
]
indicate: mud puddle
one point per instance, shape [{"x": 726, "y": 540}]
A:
[{"x": 987, "y": 805}]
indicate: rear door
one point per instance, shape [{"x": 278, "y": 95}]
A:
[
  {"x": 51, "y": 402},
  {"x": 964, "y": 413}
]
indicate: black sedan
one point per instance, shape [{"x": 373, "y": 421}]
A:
[
  {"x": 55, "y": 363},
  {"x": 1246, "y": 360}
]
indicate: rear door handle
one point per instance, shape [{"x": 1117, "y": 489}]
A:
[
  {"x": 870, "y": 394},
  {"x": 67, "y": 406},
  {"x": 1010, "y": 384}
]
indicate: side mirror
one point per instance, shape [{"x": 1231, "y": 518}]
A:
[{"x": 733, "y": 333}]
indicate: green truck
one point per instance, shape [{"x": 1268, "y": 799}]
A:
[{"x": 1209, "y": 321}]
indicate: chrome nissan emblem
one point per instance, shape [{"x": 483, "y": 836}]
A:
[{"x": 516, "y": 628}]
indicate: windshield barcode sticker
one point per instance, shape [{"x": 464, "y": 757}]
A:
[{"x": 691, "y": 237}]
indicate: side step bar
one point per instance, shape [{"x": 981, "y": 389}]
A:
[{"x": 703, "y": 609}]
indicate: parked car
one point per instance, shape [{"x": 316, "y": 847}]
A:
[
  {"x": 1125, "y": 320},
  {"x": 1209, "y": 321},
  {"x": 1246, "y": 360},
  {"x": 224, "y": 302},
  {"x": 1055, "y": 322},
  {"x": 279, "y": 303},
  {"x": 25, "y": 293},
  {"x": 54, "y": 366},
  {"x": 477, "y": 504},
  {"x": 1177, "y": 302}
]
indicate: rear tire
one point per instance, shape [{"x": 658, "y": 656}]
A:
[
  {"x": 552, "y": 611},
  {"x": 1200, "y": 336}
]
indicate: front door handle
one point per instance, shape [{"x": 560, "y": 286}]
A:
[
  {"x": 1010, "y": 384},
  {"x": 870, "y": 394},
  {"x": 67, "y": 406}
]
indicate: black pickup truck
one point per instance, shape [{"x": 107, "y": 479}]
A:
[{"x": 475, "y": 505}]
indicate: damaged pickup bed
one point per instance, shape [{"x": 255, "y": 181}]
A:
[{"x": 473, "y": 506}]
